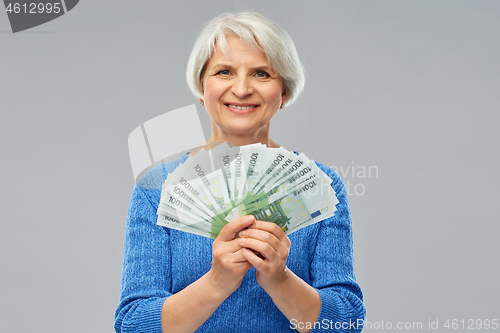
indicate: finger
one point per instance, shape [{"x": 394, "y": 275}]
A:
[
  {"x": 229, "y": 247},
  {"x": 238, "y": 256},
  {"x": 252, "y": 258},
  {"x": 265, "y": 249},
  {"x": 263, "y": 236},
  {"x": 272, "y": 228},
  {"x": 231, "y": 229}
]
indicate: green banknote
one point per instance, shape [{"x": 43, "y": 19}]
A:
[{"x": 217, "y": 185}]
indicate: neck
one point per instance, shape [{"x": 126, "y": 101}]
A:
[{"x": 261, "y": 136}]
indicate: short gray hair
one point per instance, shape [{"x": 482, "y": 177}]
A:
[{"x": 256, "y": 30}]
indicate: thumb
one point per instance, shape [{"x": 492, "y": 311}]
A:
[{"x": 230, "y": 230}]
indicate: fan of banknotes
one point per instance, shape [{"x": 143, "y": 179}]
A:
[{"x": 217, "y": 185}]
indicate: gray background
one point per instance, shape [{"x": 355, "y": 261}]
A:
[{"x": 408, "y": 87}]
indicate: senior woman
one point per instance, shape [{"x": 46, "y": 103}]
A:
[{"x": 252, "y": 277}]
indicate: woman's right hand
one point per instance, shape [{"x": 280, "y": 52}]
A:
[
  {"x": 228, "y": 263},
  {"x": 188, "y": 309}
]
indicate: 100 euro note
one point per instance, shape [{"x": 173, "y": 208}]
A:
[
  {"x": 196, "y": 196},
  {"x": 295, "y": 207},
  {"x": 224, "y": 183},
  {"x": 187, "y": 203}
]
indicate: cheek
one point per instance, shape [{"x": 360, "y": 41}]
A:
[
  {"x": 213, "y": 91},
  {"x": 274, "y": 94},
  {"x": 211, "y": 96}
]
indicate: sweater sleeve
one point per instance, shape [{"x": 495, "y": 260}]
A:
[
  {"x": 332, "y": 269},
  {"x": 146, "y": 278}
]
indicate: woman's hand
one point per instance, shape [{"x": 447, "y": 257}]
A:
[
  {"x": 228, "y": 263},
  {"x": 273, "y": 246},
  {"x": 188, "y": 309},
  {"x": 266, "y": 247}
]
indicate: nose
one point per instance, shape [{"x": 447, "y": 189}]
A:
[{"x": 242, "y": 87}]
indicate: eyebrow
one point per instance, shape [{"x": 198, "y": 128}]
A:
[{"x": 262, "y": 68}]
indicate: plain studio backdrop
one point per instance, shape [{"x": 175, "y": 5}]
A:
[{"x": 402, "y": 97}]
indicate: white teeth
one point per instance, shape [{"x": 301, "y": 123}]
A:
[{"x": 242, "y": 107}]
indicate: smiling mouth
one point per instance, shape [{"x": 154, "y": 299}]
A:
[{"x": 241, "y": 107}]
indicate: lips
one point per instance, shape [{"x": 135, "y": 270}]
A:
[{"x": 241, "y": 108}]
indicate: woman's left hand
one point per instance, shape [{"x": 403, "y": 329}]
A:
[{"x": 272, "y": 243}]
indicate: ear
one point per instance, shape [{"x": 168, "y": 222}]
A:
[{"x": 283, "y": 98}]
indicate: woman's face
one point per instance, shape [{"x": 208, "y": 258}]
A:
[{"x": 241, "y": 93}]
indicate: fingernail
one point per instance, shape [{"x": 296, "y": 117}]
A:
[
  {"x": 241, "y": 240},
  {"x": 251, "y": 218},
  {"x": 242, "y": 233}
]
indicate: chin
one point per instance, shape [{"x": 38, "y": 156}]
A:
[{"x": 243, "y": 129}]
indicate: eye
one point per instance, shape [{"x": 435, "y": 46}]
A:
[
  {"x": 262, "y": 74},
  {"x": 224, "y": 72}
]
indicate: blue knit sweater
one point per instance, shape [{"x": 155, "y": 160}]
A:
[{"x": 158, "y": 262}]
